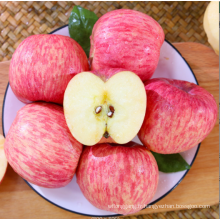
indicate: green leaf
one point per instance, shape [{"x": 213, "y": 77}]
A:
[
  {"x": 169, "y": 163},
  {"x": 81, "y": 22}
]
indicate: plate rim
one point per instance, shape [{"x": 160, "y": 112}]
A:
[{"x": 114, "y": 215}]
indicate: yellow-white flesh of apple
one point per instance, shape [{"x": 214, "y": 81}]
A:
[
  {"x": 3, "y": 160},
  {"x": 86, "y": 93},
  {"x": 211, "y": 24}
]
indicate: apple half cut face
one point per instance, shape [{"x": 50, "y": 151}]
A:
[
  {"x": 114, "y": 109},
  {"x": 3, "y": 160}
]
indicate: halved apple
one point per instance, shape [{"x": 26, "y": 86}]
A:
[
  {"x": 114, "y": 109},
  {"x": 3, "y": 160},
  {"x": 211, "y": 24}
]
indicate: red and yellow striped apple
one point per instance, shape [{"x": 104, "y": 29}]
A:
[
  {"x": 126, "y": 39},
  {"x": 42, "y": 66},
  {"x": 118, "y": 178},
  {"x": 40, "y": 148},
  {"x": 3, "y": 160},
  {"x": 179, "y": 115},
  {"x": 112, "y": 106}
]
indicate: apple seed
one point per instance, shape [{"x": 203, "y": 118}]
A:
[
  {"x": 98, "y": 109},
  {"x": 110, "y": 114},
  {"x": 112, "y": 109}
]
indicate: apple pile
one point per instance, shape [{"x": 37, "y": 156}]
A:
[{"x": 103, "y": 106}]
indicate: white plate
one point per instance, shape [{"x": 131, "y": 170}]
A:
[{"x": 171, "y": 65}]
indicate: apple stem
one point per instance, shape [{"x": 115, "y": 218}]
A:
[{"x": 106, "y": 135}]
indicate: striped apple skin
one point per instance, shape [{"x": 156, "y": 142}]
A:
[
  {"x": 40, "y": 148},
  {"x": 179, "y": 115},
  {"x": 106, "y": 74},
  {"x": 111, "y": 175},
  {"x": 42, "y": 66},
  {"x": 126, "y": 39}
]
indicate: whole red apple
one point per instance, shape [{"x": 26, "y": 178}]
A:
[
  {"x": 179, "y": 115},
  {"x": 126, "y": 39},
  {"x": 118, "y": 178},
  {"x": 3, "y": 160},
  {"x": 42, "y": 66},
  {"x": 40, "y": 148}
]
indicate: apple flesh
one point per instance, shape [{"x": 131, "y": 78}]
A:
[
  {"x": 179, "y": 115},
  {"x": 42, "y": 66},
  {"x": 211, "y": 25},
  {"x": 114, "y": 109},
  {"x": 126, "y": 39},
  {"x": 40, "y": 148},
  {"x": 118, "y": 178},
  {"x": 3, "y": 160}
]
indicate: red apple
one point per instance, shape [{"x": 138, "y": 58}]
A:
[
  {"x": 3, "y": 160},
  {"x": 179, "y": 115},
  {"x": 40, "y": 148},
  {"x": 126, "y": 39},
  {"x": 43, "y": 65},
  {"x": 118, "y": 178}
]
